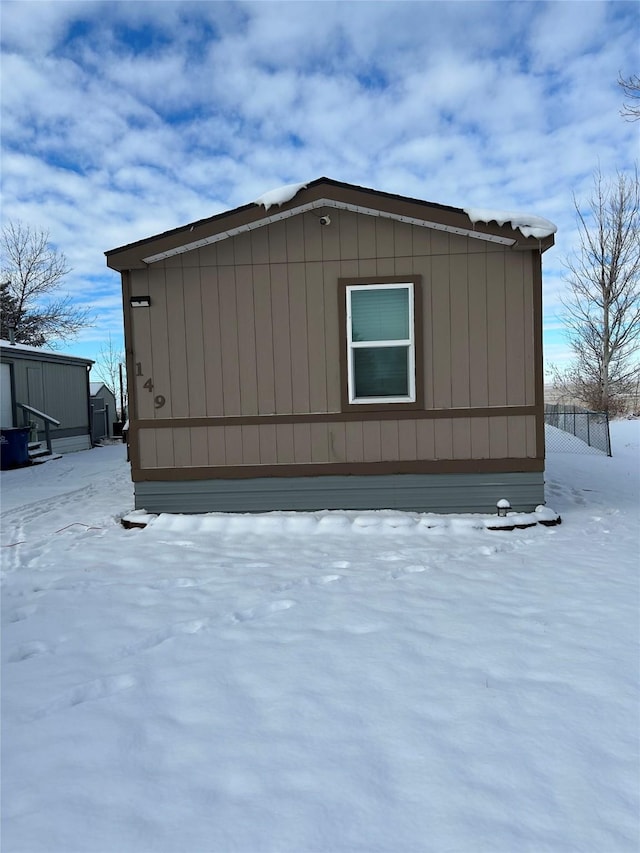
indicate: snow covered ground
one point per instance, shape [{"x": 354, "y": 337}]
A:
[{"x": 320, "y": 683}]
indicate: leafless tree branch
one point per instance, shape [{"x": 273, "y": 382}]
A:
[
  {"x": 32, "y": 273},
  {"x": 602, "y": 308},
  {"x": 631, "y": 89}
]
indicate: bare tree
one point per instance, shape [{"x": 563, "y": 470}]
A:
[
  {"x": 631, "y": 88},
  {"x": 603, "y": 305},
  {"x": 32, "y": 272},
  {"x": 110, "y": 369}
]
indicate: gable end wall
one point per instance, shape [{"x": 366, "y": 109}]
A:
[{"x": 242, "y": 342}]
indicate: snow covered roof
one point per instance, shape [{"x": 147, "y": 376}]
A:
[
  {"x": 96, "y": 387},
  {"x": 33, "y": 352},
  {"x": 523, "y": 231},
  {"x": 279, "y": 196},
  {"x": 527, "y": 223}
]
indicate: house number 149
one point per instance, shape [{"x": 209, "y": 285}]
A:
[{"x": 159, "y": 400}]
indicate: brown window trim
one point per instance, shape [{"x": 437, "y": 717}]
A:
[{"x": 343, "y": 283}]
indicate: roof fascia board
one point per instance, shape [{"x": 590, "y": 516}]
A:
[
  {"x": 11, "y": 353},
  {"x": 321, "y": 193},
  {"x": 324, "y": 203}
]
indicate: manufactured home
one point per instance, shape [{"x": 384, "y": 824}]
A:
[
  {"x": 336, "y": 347},
  {"x": 47, "y": 391}
]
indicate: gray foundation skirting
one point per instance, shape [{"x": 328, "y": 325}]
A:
[{"x": 444, "y": 493}]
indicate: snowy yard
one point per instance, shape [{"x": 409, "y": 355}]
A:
[{"x": 321, "y": 683}]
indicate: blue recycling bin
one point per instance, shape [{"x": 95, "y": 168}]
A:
[{"x": 14, "y": 447}]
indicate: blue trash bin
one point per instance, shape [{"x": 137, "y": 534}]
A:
[{"x": 14, "y": 447}]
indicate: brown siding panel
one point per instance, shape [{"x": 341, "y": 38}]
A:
[
  {"x": 284, "y": 443},
  {"x": 281, "y": 346},
  {"x": 496, "y": 344},
  {"x": 306, "y": 442},
  {"x": 182, "y": 448},
  {"x": 517, "y": 437},
  {"x": 264, "y": 339},
  {"x": 215, "y": 442},
  {"x": 389, "y": 441},
  {"x": 407, "y": 440},
  {"x": 478, "y": 340},
  {"x": 515, "y": 330},
  {"x": 251, "y": 445},
  {"x": 259, "y": 247},
  {"x": 371, "y": 441},
  {"x": 199, "y": 446},
  {"x": 402, "y": 239},
  {"x": 246, "y": 340},
  {"x": 443, "y": 439},
  {"x": 233, "y": 445},
  {"x": 348, "y": 239},
  {"x": 461, "y": 438},
  {"x": 212, "y": 343},
  {"x": 312, "y": 237},
  {"x": 460, "y": 368},
  {"x": 316, "y": 330},
  {"x": 254, "y": 330},
  {"x": 295, "y": 239},
  {"x": 277, "y": 243},
  {"x": 529, "y": 333},
  {"x": 335, "y": 337},
  {"x": 480, "y": 445},
  {"x": 441, "y": 325},
  {"x": 354, "y": 449},
  {"x": 229, "y": 341},
  {"x": 338, "y": 442},
  {"x": 147, "y": 444},
  {"x": 384, "y": 235},
  {"x": 298, "y": 339},
  {"x": 319, "y": 442},
  {"x": 498, "y": 438},
  {"x": 195, "y": 336},
  {"x": 268, "y": 447},
  {"x": 164, "y": 448},
  {"x": 178, "y": 384}
]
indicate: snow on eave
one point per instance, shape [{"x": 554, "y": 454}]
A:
[
  {"x": 7, "y": 348},
  {"x": 279, "y": 196},
  {"x": 528, "y": 224}
]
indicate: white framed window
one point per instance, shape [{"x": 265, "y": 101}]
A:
[{"x": 381, "y": 343}]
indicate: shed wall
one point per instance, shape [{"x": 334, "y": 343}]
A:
[{"x": 59, "y": 390}]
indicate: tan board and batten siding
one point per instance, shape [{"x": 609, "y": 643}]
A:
[
  {"x": 249, "y": 327},
  {"x": 243, "y": 342}
]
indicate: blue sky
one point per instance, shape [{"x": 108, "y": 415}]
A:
[{"x": 124, "y": 119}]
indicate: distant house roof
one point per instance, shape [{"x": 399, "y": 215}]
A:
[
  {"x": 327, "y": 193},
  {"x": 39, "y": 354}
]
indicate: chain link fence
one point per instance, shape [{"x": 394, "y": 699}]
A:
[{"x": 570, "y": 429}]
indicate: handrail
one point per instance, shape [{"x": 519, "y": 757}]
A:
[
  {"x": 47, "y": 421},
  {"x": 38, "y": 414}
]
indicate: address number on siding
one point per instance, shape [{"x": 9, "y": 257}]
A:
[{"x": 159, "y": 400}]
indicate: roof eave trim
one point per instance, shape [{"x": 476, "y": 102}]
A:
[{"x": 327, "y": 202}]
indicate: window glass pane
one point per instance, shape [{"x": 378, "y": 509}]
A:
[
  {"x": 380, "y": 314},
  {"x": 381, "y": 371}
]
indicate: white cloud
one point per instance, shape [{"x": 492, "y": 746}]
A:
[{"x": 121, "y": 120}]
